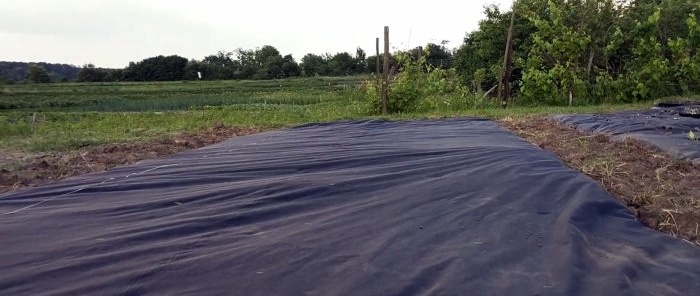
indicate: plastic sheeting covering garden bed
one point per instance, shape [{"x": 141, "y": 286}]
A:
[
  {"x": 667, "y": 127},
  {"x": 453, "y": 207}
]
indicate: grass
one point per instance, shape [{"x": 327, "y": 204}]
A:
[
  {"x": 161, "y": 96},
  {"x": 74, "y": 115}
]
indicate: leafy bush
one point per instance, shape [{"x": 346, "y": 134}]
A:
[
  {"x": 420, "y": 86},
  {"x": 609, "y": 66}
]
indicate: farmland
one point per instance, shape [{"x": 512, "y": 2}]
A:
[
  {"x": 83, "y": 128},
  {"x": 54, "y": 131},
  {"x": 78, "y": 115},
  {"x": 544, "y": 148},
  {"x": 74, "y": 115}
]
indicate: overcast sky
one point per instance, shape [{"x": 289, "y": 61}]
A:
[{"x": 112, "y": 33}]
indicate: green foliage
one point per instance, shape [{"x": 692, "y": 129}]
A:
[
  {"x": 483, "y": 49},
  {"x": 162, "y": 96},
  {"x": 438, "y": 56},
  {"x": 37, "y": 74},
  {"x": 17, "y": 71},
  {"x": 599, "y": 51},
  {"x": 220, "y": 66},
  {"x": 296, "y": 101},
  {"x": 313, "y": 65},
  {"x": 552, "y": 72},
  {"x": 159, "y": 68},
  {"x": 88, "y": 73},
  {"x": 360, "y": 61},
  {"x": 421, "y": 87},
  {"x": 648, "y": 73},
  {"x": 340, "y": 64},
  {"x": 11, "y": 127},
  {"x": 686, "y": 58},
  {"x": 478, "y": 79},
  {"x": 268, "y": 62},
  {"x": 289, "y": 66}
]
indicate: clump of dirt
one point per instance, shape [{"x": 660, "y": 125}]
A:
[
  {"x": 662, "y": 191},
  {"x": 19, "y": 170}
]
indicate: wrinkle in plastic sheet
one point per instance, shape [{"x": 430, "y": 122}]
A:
[{"x": 451, "y": 207}]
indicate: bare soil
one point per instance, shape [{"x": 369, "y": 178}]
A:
[
  {"x": 662, "y": 191},
  {"x": 18, "y": 170}
]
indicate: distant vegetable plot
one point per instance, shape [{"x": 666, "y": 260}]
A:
[
  {"x": 179, "y": 95},
  {"x": 73, "y": 115}
]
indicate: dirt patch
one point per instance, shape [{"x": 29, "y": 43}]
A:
[
  {"x": 662, "y": 191},
  {"x": 19, "y": 170}
]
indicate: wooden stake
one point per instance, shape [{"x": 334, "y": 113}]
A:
[
  {"x": 377, "y": 59},
  {"x": 385, "y": 73},
  {"x": 504, "y": 83}
]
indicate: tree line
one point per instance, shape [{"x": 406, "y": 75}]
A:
[
  {"x": 580, "y": 51},
  {"x": 262, "y": 63},
  {"x": 592, "y": 51},
  {"x": 18, "y": 71}
]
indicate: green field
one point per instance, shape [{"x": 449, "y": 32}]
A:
[{"x": 74, "y": 115}]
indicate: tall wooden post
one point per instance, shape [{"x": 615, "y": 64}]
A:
[
  {"x": 378, "y": 69},
  {"x": 504, "y": 83},
  {"x": 385, "y": 73}
]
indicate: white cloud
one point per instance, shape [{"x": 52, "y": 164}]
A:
[{"x": 111, "y": 33}]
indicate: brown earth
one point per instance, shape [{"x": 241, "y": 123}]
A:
[
  {"x": 19, "y": 170},
  {"x": 662, "y": 191}
]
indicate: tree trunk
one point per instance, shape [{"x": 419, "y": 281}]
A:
[
  {"x": 504, "y": 83},
  {"x": 571, "y": 98},
  {"x": 589, "y": 67}
]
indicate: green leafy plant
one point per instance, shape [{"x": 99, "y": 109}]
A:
[
  {"x": 420, "y": 86},
  {"x": 552, "y": 73}
]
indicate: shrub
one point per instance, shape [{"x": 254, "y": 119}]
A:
[{"x": 420, "y": 87}]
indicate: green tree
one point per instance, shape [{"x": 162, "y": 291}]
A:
[
  {"x": 114, "y": 75},
  {"x": 222, "y": 59},
  {"x": 208, "y": 71},
  {"x": 312, "y": 65},
  {"x": 290, "y": 68},
  {"x": 219, "y": 66},
  {"x": 438, "y": 56},
  {"x": 88, "y": 73},
  {"x": 341, "y": 63},
  {"x": 393, "y": 63},
  {"x": 248, "y": 64},
  {"x": 268, "y": 62},
  {"x": 37, "y": 74},
  {"x": 552, "y": 71},
  {"x": 481, "y": 54},
  {"x": 159, "y": 68},
  {"x": 360, "y": 61}
]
